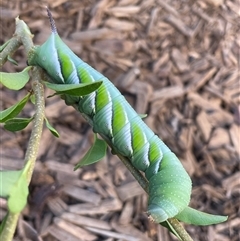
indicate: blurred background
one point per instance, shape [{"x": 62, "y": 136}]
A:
[{"x": 176, "y": 61}]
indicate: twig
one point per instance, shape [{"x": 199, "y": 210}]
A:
[
  {"x": 22, "y": 32},
  {"x": 31, "y": 155},
  {"x": 178, "y": 228},
  {"x": 9, "y": 227},
  {"x": 21, "y": 36},
  {"x": 34, "y": 142}
]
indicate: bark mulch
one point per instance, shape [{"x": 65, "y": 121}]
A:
[{"x": 177, "y": 61}]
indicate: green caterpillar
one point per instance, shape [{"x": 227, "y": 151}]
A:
[{"x": 112, "y": 117}]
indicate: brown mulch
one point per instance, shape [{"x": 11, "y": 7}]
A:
[{"x": 177, "y": 61}]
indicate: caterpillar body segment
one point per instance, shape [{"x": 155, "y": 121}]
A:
[
  {"x": 110, "y": 115},
  {"x": 168, "y": 188}
]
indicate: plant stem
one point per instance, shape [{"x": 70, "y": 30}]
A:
[
  {"x": 178, "y": 228},
  {"x": 31, "y": 155},
  {"x": 34, "y": 141},
  {"x": 12, "y": 46},
  {"x": 135, "y": 172},
  {"x": 23, "y": 35},
  {"x": 9, "y": 227}
]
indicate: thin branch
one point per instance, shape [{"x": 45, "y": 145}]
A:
[
  {"x": 31, "y": 155},
  {"x": 23, "y": 35},
  {"x": 34, "y": 141},
  {"x": 9, "y": 227},
  {"x": 135, "y": 172},
  {"x": 178, "y": 228},
  {"x": 12, "y": 46}
]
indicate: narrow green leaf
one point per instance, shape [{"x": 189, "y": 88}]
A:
[
  {"x": 17, "y": 124},
  {"x": 167, "y": 225},
  {"x": 74, "y": 89},
  {"x": 32, "y": 99},
  {"x": 51, "y": 128},
  {"x": 15, "y": 81},
  {"x": 11, "y": 60},
  {"x": 94, "y": 154},
  {"x": 195, "y": 217},
  {"x": 2, "y": 47},
  {"x": 14, "y": 110},
  {"x": 143, "y": 115}
]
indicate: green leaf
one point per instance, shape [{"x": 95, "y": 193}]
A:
[
  {"x": 11, "y": 60},
  {"x": 94, "y": 154},
  {"x": 32, "y": 99},
  {"x": 8, "y": 178},
  {"x": 74, "y": 89},
  {"x": 143, "y": 115},
  {"x": 2, "y": 47},
  {"x": 18, "y": 196},
  {"x": 167, "y": 225},
  {"x": 51, "y": 128},
  {"x": 14, "y": 110},
  {"x": 15, "y": 81},
  {"x": 195, "y": 217},
  {"x": 17, "y": 124},
  {"x": 15, "y": 188}
]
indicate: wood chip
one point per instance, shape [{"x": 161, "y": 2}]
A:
[
  {"x": 62, "y": 167},
  {"x": 82, "y": 194},
  {"x": 179, "y": 25},
  {"x": 89, "y": 35},
  {"x": 89, "y": 209},
  {"x": 219, "y": 138},
  {"x": 62, "y": 235},
  {"x": 57, "y": 205},
  {"x": 126, "y": 11},
  {"x": 232, "y": 182},
  {"x": 129, "y": 230},
  {"x": 204, "y": 125},
  {"x": 85, "y": 221},
  {"x": 113, "y": 234},
  {"x": 129, "y": 190},
  {"x": 235, "y": 137},
  {"x": 180, "y": 60},
  {"x": 67, "y": 136},
  {"x": 144, "y": 92},
  {"x": 127, "y": 212},
  {"x": 168, "y": 93},
  {"x": 202, "y": 79},
  {"x": 168, "y": 8},
  {"x": 26, "y": 230},
  {"x": 215, "y": 3},
  {"x": 120, "y": 25},
  {"x": 74, "y": 230}
]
